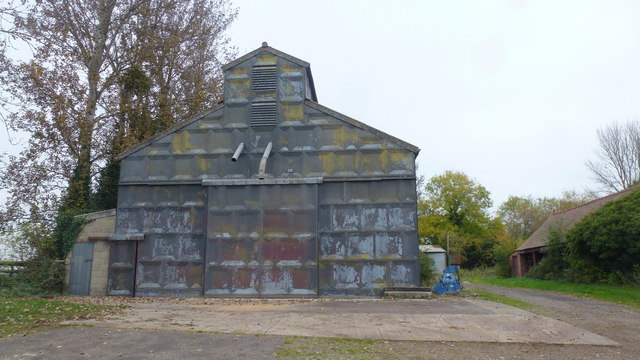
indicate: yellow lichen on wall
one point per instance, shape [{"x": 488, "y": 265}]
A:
[
  {"x": 351, "y": 138},
  {"x": 203, "y": 164},
  {"x": 267, "y": 59},
  {"x": 400, "y": 159},
  {"x": 328, "y": 161},
  {"x": 289, "y": 68},
  {"x": 181, "y": 142},
  {"x": 239, "y": 83},
  {"x": 292, "y": 112},
  {"x": 383, "y": 158},
  {"x": 374, "y": 162}
]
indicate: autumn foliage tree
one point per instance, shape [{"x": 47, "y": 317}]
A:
[
  {"x": 454, "y": 206},
  {"x": 104, "y": 75},
  {"x": 522, "y": 215}
]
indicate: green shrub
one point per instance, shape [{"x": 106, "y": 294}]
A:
[
  {"x": 501, "y": 254},
  {"x": 68, "y": 227},
  {"x": 428, "y": 271},
  {"x": 43, "y": 275},
  {"x": 553, "y": 265},
  {"x": 605, "y": 245}
]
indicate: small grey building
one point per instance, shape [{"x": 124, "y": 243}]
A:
[
  {"x": 437, "y": 254},
  {"x": 267, "y": 194}
]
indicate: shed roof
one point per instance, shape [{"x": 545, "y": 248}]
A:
[
  {"x": 568, "y": 219},
  {"x": 428, "y": 248}
]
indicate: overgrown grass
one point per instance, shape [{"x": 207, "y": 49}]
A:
[
  {"x": 484, "y": 272},
  {"x": 19, "y": 315},
  {"x": 627, "y": 295},
  {"x": 307, "y": 348},
  {"x": 500, "y": 299}
]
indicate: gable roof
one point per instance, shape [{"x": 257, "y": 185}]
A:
[
  {"x": 266, "y": 48},
  {"x": 309, "y": 102},
  {"x": 568, "y": 219}
]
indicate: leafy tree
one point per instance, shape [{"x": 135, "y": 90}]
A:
[
  {"x": 456, "y": 197},
  {"x": 523, "y": 215},
  {"x": 456, "y": 207},
  {"x": 104, "y": 75},
  {"x": 605, "y": 245}
]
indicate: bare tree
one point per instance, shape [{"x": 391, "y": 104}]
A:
[{"x": 618, "y": 159}]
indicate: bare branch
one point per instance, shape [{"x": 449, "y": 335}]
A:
[{"x": 618, "y": 159}]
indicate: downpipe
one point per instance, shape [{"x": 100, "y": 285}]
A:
[{"x": 263, "y": 161}]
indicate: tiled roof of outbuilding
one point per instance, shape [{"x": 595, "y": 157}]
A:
[{"x": 568, "y": 218}]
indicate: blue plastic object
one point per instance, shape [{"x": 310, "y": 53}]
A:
[{"x": 449, "y": 283}]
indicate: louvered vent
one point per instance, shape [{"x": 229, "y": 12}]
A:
[
  {"x": 265, "y": 78},
  {"x": 263, "y": 114}
]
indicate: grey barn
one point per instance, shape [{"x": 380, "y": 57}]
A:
[{"x": 266, "y": 194}]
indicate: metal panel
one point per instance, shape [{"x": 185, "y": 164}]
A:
[
  {"x": 351, "y": 232},
  {"x": 367, "y": 237},
  {"x": 261, "y": 240},
  {"x": 308, "y": 140},
  {"x": 80, "y": 275},
  {"x": 170, "y": 259},
  {"x": 122, "y": 261}
]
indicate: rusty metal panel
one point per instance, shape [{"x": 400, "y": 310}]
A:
[
  {"x": 261, "y": 240},
  {"x": 169, "y": 261},
  {"x": 122, "y": 262},
  {"x": 170, "y": 265},
  {"x": 367, "y": 237}
]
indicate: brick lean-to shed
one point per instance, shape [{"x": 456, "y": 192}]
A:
[{"x": 267, "y": 194}]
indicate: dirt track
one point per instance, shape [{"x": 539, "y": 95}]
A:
[{"x": 617, "y": 322}]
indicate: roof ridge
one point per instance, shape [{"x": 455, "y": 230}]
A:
[
  {"x": 267, "y": 48},
  {"x": 598, "y": 199}
]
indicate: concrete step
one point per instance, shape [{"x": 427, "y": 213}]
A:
[{"x": 407, "y": 294}]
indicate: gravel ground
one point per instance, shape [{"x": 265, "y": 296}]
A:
[{"x": 617, "y": 322}]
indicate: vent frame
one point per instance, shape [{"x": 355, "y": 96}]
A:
[
  {"x": 264, "y": 78},
  {"x": 264, "y": 114}
]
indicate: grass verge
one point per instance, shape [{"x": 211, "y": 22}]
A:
[
  {"x": 626, "y": 295},
  {"x": 307, "y": 348},
  {"x": 312, "y": 348},
  {"x": 500, "y": 299},
  {"x": 20, "y": 315}
]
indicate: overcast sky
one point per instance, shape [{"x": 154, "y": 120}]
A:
[{"x": 509, "y": 92}]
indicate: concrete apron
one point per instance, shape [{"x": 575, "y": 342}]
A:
[{"x": 418, "y": 320}]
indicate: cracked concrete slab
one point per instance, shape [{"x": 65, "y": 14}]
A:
[{"x": 462, "y": 319}]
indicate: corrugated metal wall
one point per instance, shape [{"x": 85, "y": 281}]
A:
[
  {"x": 367, "y": 236},
  {"x": 211, "y": 228},
  {"x": 261, "y": 240}
]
